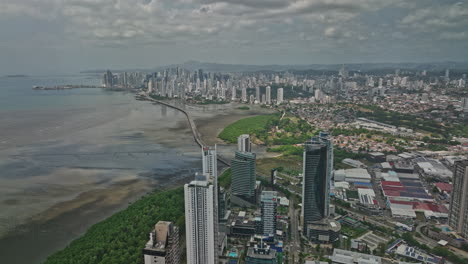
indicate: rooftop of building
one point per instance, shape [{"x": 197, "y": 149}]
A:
[
  {"x": 261, "y": 252},
  {"x": 325, "y": 225},
  {"x": 350, "y": 257}
]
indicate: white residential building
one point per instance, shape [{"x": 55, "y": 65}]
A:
[
  {"x": 243, "y": 143},
  {"x": 279, "y": 99},
  {"x": 199, "y": 222},
  {"x": 268, "y": 95}
]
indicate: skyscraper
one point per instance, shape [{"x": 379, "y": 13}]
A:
[
  {"x": 150, "y": 86},
  {"x": 458, "y": 215},
  {"x": 210, "y": 169},
  {"x": 465, "y": 105},
  {"x": 163, "y": 246},
  {"x": 108, "y": 79},
  {"x": 199, "y": 224},
  {"x": 243, "y": 143},
  {"x": 210, "y": 163},
  {"x": 314, "y": 184},
  {"x": 244, "y": 94},
  {"x": 279, "y": 99},
  {"x": 233, "y": 93},
  {"x": 243, "y": 176},
  {"x": 326, "y": 138},
  {"x": 317, "y": 225},
  {"x": 257, "y": 94},
  {"x": 268, "y": 200},
  {"x": 268, "y": 95}
]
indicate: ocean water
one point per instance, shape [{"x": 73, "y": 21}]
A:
[{"x": 59, "y": 148}]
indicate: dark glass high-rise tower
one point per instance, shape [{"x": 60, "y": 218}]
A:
[
  {"x": 315, "y": 186},
  {"x": 243, "y": 175}
]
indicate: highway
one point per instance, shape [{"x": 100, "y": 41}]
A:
[{"x": 295, "y": 243}]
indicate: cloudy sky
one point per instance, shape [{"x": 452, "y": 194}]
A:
[{"x": 59, "y": 36}]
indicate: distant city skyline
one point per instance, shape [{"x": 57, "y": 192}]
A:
[{"x": 48, "y": 36}]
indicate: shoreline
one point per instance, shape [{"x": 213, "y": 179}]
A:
[{"x": 57, "y": 226}]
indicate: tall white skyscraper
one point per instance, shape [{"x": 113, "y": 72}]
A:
[
  {"x": 244, "y": 94},
  {"x": 279, "y": 99},
  {"x": 210, "y": 164},
  {"x": 210, "y": 169},
  {"x": 150, "y": 86},
  {"x": 243, "y": 143},
  {"x": 277, "y": 79},
  {"x": 199, "y": 224},
  {"x": 257, "y": 94},
  {"x": 233, "y": 93},
  {"x": 268, "y": 95}
]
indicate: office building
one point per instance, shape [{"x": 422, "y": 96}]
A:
[
  {"x": 243, "y": 177},
  {"x": 314, "y": 187},
  {"x": 316, "y": 191},
  {"x": 326, "y": 138},
  {"x": 257, "y": 94},
  {"x": 163, "y": 246},
  {"x": 279, "y": 99},
  {"x": 268, "y": 203},
  {"x": 199, "y": 221},
  {"x": 243, "y": 143},
  {"x": 458, "y": 215},
  {"x": 268, "y": 95},
  {"x": 108, "y": 79}
]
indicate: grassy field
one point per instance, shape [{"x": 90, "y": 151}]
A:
[
  {"x": 250, "y": 125},
  {"x": 287, "y": 163},
  {"x": 353, "y": 232},
  {"x": 243, "y": 108}
]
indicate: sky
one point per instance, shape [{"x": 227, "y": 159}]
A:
[{"x": 66, "y": 36}]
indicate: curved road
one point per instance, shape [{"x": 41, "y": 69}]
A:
[{"x": 193, "y": 127}]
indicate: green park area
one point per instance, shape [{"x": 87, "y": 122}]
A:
[
  {"x": 270, "y": 130},
  {"x": 243, "y": 108},
  {"x": 121, "y": 237}
]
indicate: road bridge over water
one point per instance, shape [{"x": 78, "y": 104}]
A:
[{"x": 193, "y": 127}]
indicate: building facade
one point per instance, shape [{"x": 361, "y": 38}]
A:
[
  {"x": 458, "y": 216},
  {"x": 268, "y": 201},
  {"x": 210, "y": 169},
  {"x": 199, "y": 222},
  {"x": 314, "y": 186},
  {"x": 279, "y": 96},
  {"x": 243, "y": 176},
  {"x": 210, "y": 164},
  {"x": 163, "y": 246},
  {"x": 326, "y": 138},
  {"x": 268, "y": 95},
  {"x": 243, "y": 143}
]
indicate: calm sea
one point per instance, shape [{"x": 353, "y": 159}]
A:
[{"x": 58, "y": 146}]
